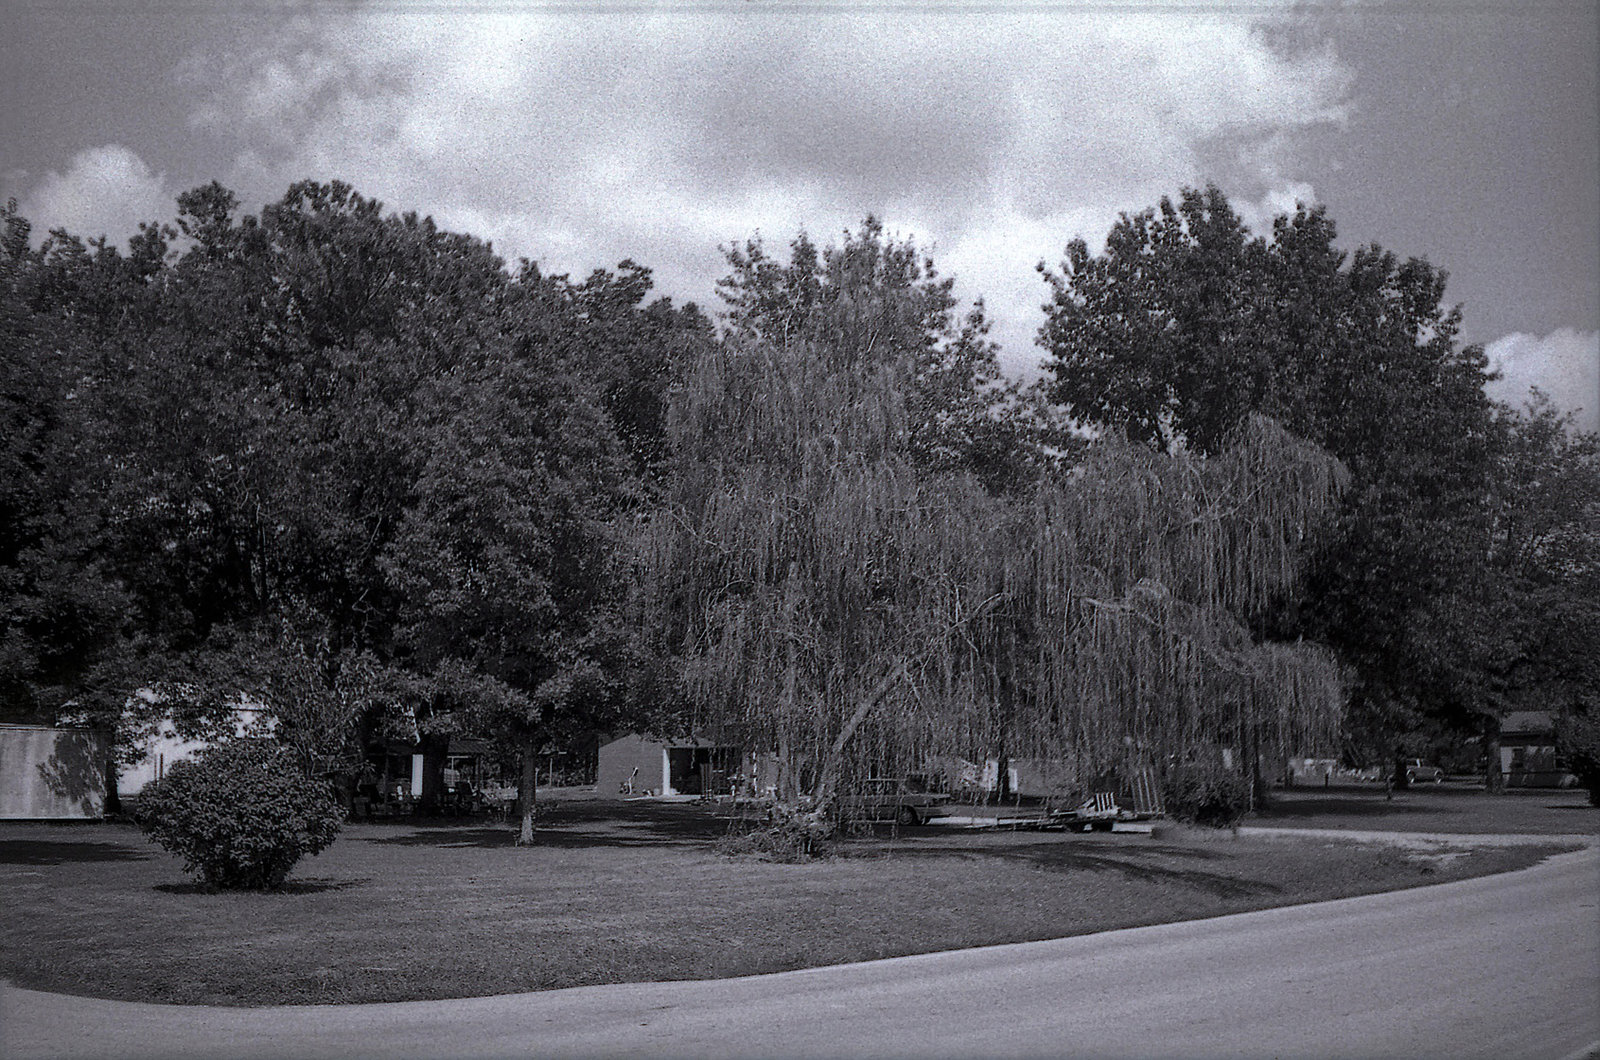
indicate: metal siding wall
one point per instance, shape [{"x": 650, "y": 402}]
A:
[
  {"x": 618, "y": 759},
  {"x": 51, "y": 774}
]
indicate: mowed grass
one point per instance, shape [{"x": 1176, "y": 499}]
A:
[
  {"x": 618, "y": 892},
  {"x": 1452, "y": 807}
]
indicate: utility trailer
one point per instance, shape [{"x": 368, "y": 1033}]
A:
[{"x": 1100, "y": 812}]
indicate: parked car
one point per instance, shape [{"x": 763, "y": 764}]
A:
[
  {"x": 1417, "y": 769},
  {"x": 905, "y": 800}
]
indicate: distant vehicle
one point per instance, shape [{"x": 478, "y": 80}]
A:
[
  {"x": 1417, "y": 769},
  {"x": 904, "y": 800}
]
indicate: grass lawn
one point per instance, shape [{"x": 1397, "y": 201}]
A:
[
  {"x": 622, "y": 892},
  {"x": 1455, "y": 807}
]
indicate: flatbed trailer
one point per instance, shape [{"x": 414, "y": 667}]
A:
[{"x": 1098, "y": 813}]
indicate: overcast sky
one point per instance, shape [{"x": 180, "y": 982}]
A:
[{"x": 578, "y": 134}]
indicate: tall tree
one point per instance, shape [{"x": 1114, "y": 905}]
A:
[
  {"x": 337, "y": 457},
  {"x": 829, "y": 593},
  {"x": 1519, "y": 633},
  {"x": 875, "y": 298},
  {"x": 1186, "y": 324}
]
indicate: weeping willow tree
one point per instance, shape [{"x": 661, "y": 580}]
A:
[{"x": 827, "y": 596}]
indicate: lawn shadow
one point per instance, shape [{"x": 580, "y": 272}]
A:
[
  {"x": 309, "y": 885},
  {"x": 454, "y": 836},
  {"x": 577, "y": 825},
  {"x": 1070, "y": 856},
  {"x": 1282, "y": 808},
  {"x": 52, "y": 852}
]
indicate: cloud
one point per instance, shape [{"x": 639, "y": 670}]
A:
[
  {"x": 1565, "y": 364},
  {"x": 105, "y": 191},
  {"x": 578, "y": 137}
]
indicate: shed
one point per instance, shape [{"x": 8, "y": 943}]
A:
[
  {"x": 52, "y": 774},
  {"x": 1528, "y": 755},
  {"x": 639, "y": 764}
]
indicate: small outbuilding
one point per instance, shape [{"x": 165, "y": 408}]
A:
[
  {"x": 52, "y": 774},
  {"x": 638, "y": 765},
  {"x": 1528, "y": 756}
]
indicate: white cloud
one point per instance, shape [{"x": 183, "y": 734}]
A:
[
  {"x": 105, "y": 191},
  {"x": 578, "y": 137},
  {"x": 1565, "y": 364}
]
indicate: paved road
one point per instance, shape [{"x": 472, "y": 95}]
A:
[{"x": 1503, "y": 966}]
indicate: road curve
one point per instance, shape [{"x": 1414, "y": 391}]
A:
[{"x": 1499, "y": 966}]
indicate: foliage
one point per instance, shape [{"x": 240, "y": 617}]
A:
[
  {"x": 1187, "y": 324},
  {"x": 336, "y": 460},
  {"x": 792, "y": 836},
  {"x": 882, "y": 300},
  {"x": 241, "y": 814},
  {"x": 830, "y": 595},
  {"x": 1578, "y": 739},
  {"x": 1517, "y": 633},
  {"x": 1206, "y": 793}
]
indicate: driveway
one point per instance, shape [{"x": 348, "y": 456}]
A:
[{"x": 1498, "y": 966}]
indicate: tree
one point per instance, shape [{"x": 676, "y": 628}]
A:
[
  {"x": 504, "y": 562},
  {"x": 878, "y": 299},
  {"x": 1187, "y": 324},
  {"x": 64, "y": 611},
  {"x": 827, "y": 592},
  {"x": 333, "y": 459},
  {"x": 1516, "y": 635}
]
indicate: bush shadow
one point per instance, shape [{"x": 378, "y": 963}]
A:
[{"x": 309, "y": 885}]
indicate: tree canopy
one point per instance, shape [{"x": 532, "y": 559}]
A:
[
  {"x": 315, "y": 450},
  {"x": 829, "y": 592},
  {"x": 1187, "y": 323}
]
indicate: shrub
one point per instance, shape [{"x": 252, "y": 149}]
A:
[
  {"x": 241, "y": 814},
  {"x": 791, "y": 836},
  {"x": 1208, "y": 794},
  {"x": 1578, "y": 738}
]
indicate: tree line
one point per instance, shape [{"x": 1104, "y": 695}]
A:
[{"x": 358, "y": 469}]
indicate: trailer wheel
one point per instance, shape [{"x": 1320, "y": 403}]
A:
[{"x": 1101, "y": 826}]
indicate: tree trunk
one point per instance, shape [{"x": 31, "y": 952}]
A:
[
  {"x": 1401, "y": 782},
  {"x": 526, "y": 790},
  {"x": 113, "y": 803},
  {"x": 830, "y": 767},
  {"x": 1494, "y": 781},
  {"x": 434, "y": 750},
  {"x": 1260, "y": 789}
]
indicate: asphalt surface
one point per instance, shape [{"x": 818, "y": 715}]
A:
[{"x": 1500, "y": 966}]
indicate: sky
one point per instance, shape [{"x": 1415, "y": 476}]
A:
[{"x": 579, "y": 133}]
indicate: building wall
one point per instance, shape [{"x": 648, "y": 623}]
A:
[
  {"x": 51, "y": 773},
  {"x": 165, "y": 748},
  {"x": 619, "y": 759},
  {"x": 1532, "y": 762}
]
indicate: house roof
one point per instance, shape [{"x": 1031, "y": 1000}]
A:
[
  {"x": 1527, "y": 721},
  {"x": 691, "y": 741}
]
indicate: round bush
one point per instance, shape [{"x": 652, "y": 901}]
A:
[
  {"x": 1207, "y": 794},
  {"x": 241, "y": 814}
]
